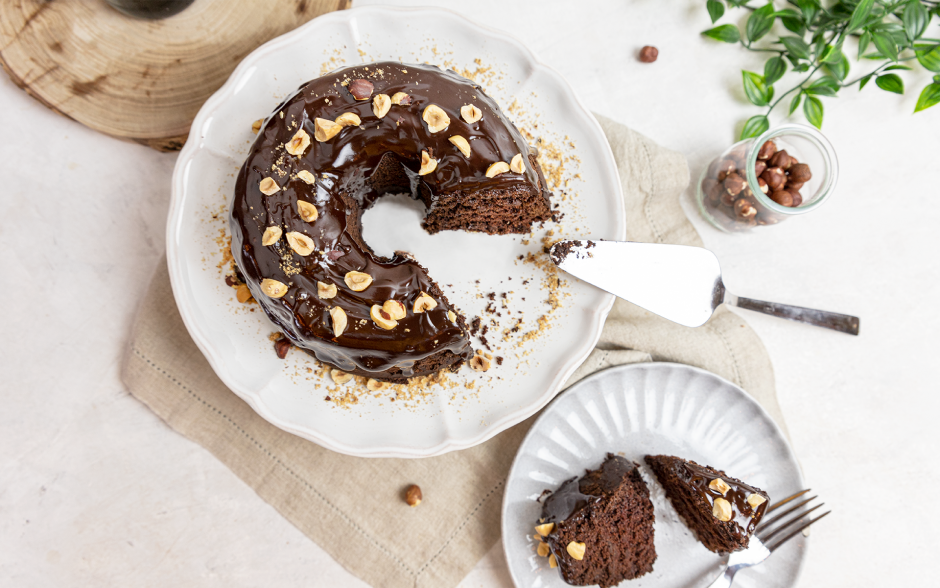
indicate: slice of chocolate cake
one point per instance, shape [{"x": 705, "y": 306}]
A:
[
  {"x": 722, "y": 511},
  {"x": 599, "y": 528}
]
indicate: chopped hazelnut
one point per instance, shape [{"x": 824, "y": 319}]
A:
[
  {"x": 242, "y": 293},
  {"x": 423, "y": 303},
  {"x": 721, "y": 510},
  {"x": 552, "y": 561},
  {"x": 256, "y": 126},
  {"x": 357, "y": 281},
  {"x": 298, "y": 143},
  {"x": 427, "y": 164},
  {"x": 479, "y": 363},
  {"x": 268, "y": 186},
  {"x": 413, "y": 495},
  {"x": 395, "y": 309},
  {"x": 576, "y": 550},
  {"x": 307, "y": 211},
  {"x": 375, "y": 385},
  {"x": 545, "y": 529},
  {"x": 273, "y": 288},
  {"x": 382, "y": 318},
  {"x": 271, "y": 236},
  {"x": 755, "y": 500},
  {"x": 339, "y": 376},
  {"x": 381, "y": 105},
  {"x": 436, "y": 118},
  {"x": 348, "y": 119},
  {"x": 300, "y": 243},
  {"x": 324, "y": 130},
  {"x": 719, "y": 485},
  {"x": 500, "y": 167},
  {"x": 543, "y": 550},
  {"x": 461, "y": 144},
  {"x": 361, "y": 89},
  {"x": 306, "y": 177},
  {"x": 339, "y": 320},
  {"x": 401, "y": 99},
  {"x": 282, "y": 346},
  {"x": 470, "y": 113},
  {"x": 326, "y": 291},
  {"x": 452, "y": 316},
  {"x": 517, "y": 165}
]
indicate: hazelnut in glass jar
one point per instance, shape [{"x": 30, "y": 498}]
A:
[{"x": 787, "y": 171}]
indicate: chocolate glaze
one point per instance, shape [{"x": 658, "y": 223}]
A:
[
  {"x": 698, "y": 477},
  {"x": 344, "y": 167},
  {"x": 570, "y": 498}
]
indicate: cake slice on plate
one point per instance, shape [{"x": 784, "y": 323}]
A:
[
  {"x": 599, "y": 528},
  {"x": 721, "y": 510}
]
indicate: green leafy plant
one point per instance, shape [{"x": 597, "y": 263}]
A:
[{"x": 888, "y": 32}]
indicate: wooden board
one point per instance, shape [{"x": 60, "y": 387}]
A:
[{"x": 134, "y": 79}]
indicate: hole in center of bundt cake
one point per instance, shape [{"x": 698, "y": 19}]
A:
[{"x": 391, "y": 224}]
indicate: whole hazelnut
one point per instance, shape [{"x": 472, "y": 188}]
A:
[
  {"x": 649, "y": 54},
  {"x": 722, "y": 168},
  {"x": 797, "y": 198},
  {"x": 800, "y": 173},
  {"x": 744, "y": 209},
  {"x": 793, "y": 185},
  {"x": 712, "y": 189},
  {"x": 727, "y": 198},
  {"x": 767, "y": 150},
  {"x": 413, "y": 495},
  {"x": 767, "y": 218},
  {"x": 763, "y": 185},
  {"x": 774, "y": 177},
  {"x": 780, "y": 159},
  {"x": 782, "y": 197},
  {"x": 734, "y": 184},
  {"x": 361, "y": 89},
  {"x": 759, "y": 167}
]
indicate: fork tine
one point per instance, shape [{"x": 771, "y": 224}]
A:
[
  {"x": 795, "y": 519},
  {"x": 776, "y": 505},
  {"x": 789, "y": 536},
  {"x": 768, "y": 522}
]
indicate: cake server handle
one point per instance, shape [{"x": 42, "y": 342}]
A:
[{"x": 844, "y": 323}]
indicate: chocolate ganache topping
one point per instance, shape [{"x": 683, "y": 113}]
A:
[
  {"x": 300, "y": 194},
  {"x": 570, "y": 498},
  {"x": 703, "y": 482}
]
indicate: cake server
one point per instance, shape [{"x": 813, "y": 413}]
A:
[{"x": 677, "y": 282}]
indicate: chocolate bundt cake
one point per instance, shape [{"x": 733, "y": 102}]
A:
[
  {"x": 326, "y": 154},
  {"x": 599, "y": 528},
  {"x": 722, "y": 511}
]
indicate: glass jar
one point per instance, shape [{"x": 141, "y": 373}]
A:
[{"x": 774, "y": 186}]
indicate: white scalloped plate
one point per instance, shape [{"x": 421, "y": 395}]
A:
[
  {"x": 234, "y": 339},
  {"x": 639, "y": 410}
]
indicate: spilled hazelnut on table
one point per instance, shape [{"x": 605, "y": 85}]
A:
[
  {"x": 649, "y": 54},
  {"x": 413, "y": 495},
  {"x": 282, "y": 346}
]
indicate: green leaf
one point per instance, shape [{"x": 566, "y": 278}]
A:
[
  {"x": 894, "y": 67},
  {"x": 890, "y": 83},
  {"x": 824, "y": 86},
  {"x": 840, "y": 69},
  {"x": 795, "y": 103},
  {"x": 928, "y": 97},
  {"x": 813, "y": 109},
  {"x": 831, "y": 54},
  {"x": 716, "y": 9},
  {"x": 796, "y": 46},
  {"x": 774, "y": 70},
  {"x": 915, "y": 19},
  {"x": 859, "y": 16},
  {"x": 792, "y": 20},
  {"x": 929, "y": 57},
  {"x": 754, "y": 127},
  {"x": 863, "y": 42},
  {"x": 727, "y": 33},
  {"x": 886, "y": 45},
  {"x": 756, "y": 90},
  {"x": 760, "y": 22},
  {"x": 863, "y": 82},
  {"x": 809, "y": 8}
]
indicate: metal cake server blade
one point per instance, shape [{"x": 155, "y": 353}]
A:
[{"x": 677, "y": 282}]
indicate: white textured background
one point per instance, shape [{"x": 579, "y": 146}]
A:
[{"x": 96, "y": 491}]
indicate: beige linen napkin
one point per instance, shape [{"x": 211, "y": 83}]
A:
[{"x": 353, "y": 507}]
